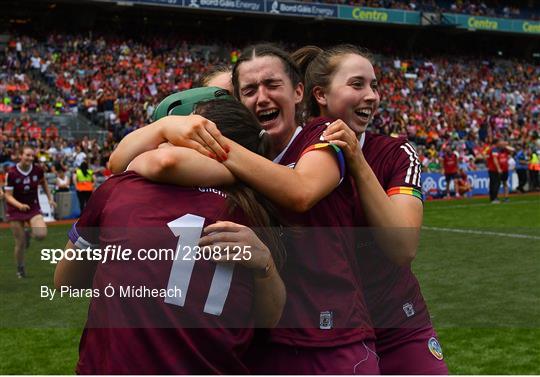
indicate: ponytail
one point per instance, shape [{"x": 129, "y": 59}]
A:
[{"x": 305, "y": 55}]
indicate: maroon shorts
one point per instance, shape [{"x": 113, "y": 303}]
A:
[
  {"x": 410, "y": 351},
  {"x": 274, "y": 358},
  {"x": 13, "y": 214}
]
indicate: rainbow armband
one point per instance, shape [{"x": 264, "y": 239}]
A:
[
  {"x": 339, "y": 155},
  {"x": 406, "y": 191}
]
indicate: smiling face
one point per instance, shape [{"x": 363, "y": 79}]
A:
[
  {"x": 27, "y": 156},
  {"x": 352, "y": 95},
  {"x": 267, "y": 91}
]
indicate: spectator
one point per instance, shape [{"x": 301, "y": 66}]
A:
[
  {"x": 450, "y": 165},
  {"x": 504, "y": 164},
  {"x": 80, "y": 156},
  {"x": 495, "y": 171},
  {"x": 463, "y": 184},
  {"x": 534, "y": 169},
  {"x": 521, "y": 167},
  {"x": 83, "y": 180},
  {"x": 51, "y": 131},
  {"x": 62, "y": 182}
]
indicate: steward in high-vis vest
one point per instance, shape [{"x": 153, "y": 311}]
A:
[
  {"x": 84, "y": 184},
  {"x": 534, "y": 170}
]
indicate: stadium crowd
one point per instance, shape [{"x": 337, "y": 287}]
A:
[
  {"x": 55, "y": 154},
  {"x": 21, "y": 90},
  {"x": 435, "y": 102}
]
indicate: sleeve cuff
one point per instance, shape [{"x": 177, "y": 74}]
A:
[{"x": 78, "y": 240}]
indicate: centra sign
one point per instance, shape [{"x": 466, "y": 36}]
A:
[
  {"x": 531, "y": 28},
  {"x": 369, "y": 15},
  {"x": 475, "y": 23}
]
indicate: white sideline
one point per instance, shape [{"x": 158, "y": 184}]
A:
[
  {"x": 482, "y": 232},
  {"x": 479, "y": 205}
]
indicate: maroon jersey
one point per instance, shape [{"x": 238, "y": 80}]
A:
[
  {"x": 325, "y": 305},
  {"x": 392, "y": 292},
  {"x": 450, "y": 163},
  {"x": 24, "y": 185},
  {"x": 204, "y": 329}
]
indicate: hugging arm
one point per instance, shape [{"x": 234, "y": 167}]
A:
[
  {"x": 395, "y": 217},
  {"x": 192, "y": 131},
  {"x": 315, "y": 175},
  {"x": 181, "y": 166}
]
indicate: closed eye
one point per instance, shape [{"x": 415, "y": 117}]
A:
[
  {"x": 357, "y": 84},
  {"x": 248, "y": 92},
  {"x": 272, "y": 83}
]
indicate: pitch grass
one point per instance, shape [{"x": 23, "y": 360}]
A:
[{"x": 482, "y": 290}]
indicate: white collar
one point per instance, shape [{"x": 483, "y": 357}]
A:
[
  {"x": 24, "y": 172},
  {"x": 278, "y": 158},
  {"x": 362, "y": 139}
]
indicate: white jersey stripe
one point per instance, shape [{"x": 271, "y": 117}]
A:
[
  {"x": 411, "y": 167},
  {"x": 418, "y": 167}
]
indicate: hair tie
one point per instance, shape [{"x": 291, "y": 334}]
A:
[{"x": 263, "y": 131}]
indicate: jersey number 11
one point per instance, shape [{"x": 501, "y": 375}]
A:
[{"x": 188, "y": 229}]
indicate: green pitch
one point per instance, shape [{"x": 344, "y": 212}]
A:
[{"x": 478, "y": 265}]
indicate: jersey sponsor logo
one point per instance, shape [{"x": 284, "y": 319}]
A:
[
  {"x": 213, "y": 191},
  {"x": 34, "y": 178},
  {"x": 414, "y": 170},
  {"x": 408, "y": 309},
  {"x": 326, "y": 320},
  {"x": 435, "y": 348}
]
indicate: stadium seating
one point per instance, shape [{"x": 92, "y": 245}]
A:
[{"x": 433, "y": 101}]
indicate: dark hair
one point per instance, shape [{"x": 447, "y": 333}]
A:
[
  {"x": 25, "y": 147},
  {"x": 236, "y": 122},
  {"x": 266, "y": 49},
  {"x": 211, "y": 73},
  {"x": 84, "y": 168},
  {"x": 58, "y": 167},
  {"x": 318, "y": 67}
]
